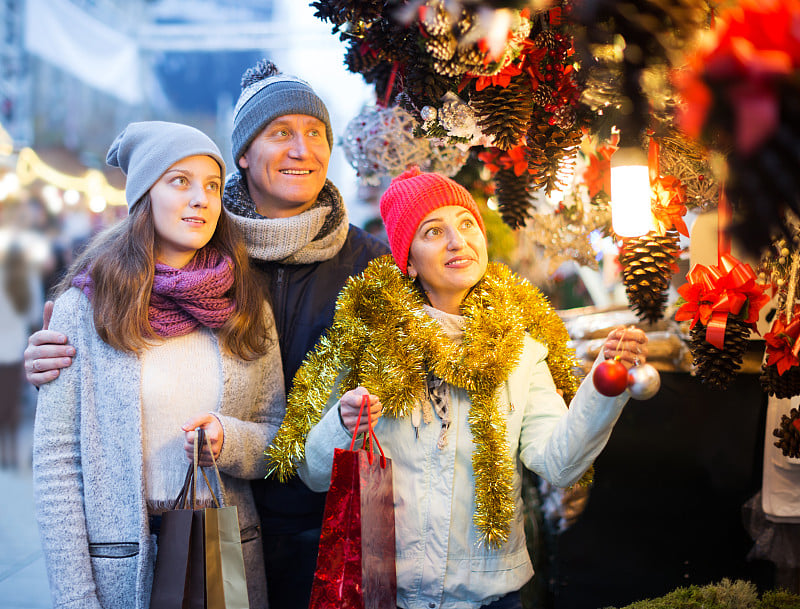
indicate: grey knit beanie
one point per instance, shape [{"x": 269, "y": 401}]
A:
[
  {"x": 144, "y": 151},
  {"x": 267, "y": 94}
]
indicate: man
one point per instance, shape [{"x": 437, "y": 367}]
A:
[{"x": 298, "y": 237}]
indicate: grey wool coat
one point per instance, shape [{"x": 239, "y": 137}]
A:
[{"x": 88, "y": 465}]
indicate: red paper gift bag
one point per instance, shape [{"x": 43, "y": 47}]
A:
[{"x": 356, "y": 561}]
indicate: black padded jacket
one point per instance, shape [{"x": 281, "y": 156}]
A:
[{"x": 303, "y": 300}]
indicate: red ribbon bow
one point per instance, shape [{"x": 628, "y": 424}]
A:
[
  {"x": 714, "y": 292},
  {"x": 754, "y": 46},
  {"x": 782, "y": 344}
]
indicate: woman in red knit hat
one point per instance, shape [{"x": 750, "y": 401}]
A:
[{"x": 469, "y": 367}]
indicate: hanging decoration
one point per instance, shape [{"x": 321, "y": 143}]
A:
[
  {"x": 597, "y": 176},
  {"x": 564, "y": 235},
  {"x": 648, "y": 262},
  {"x": 780, "y": 373},
  {"x": 788, "y": 434},
  {"x": 380, "y": 142},
  {"x": 621, "y": 44},
  {"x": 502, "y": 79},
  {"x": 722, "y": 303},
  {"x": 687, "y": 162},
  {"x": 742, "y": 99},
  {"x": 780, "y": 266}
]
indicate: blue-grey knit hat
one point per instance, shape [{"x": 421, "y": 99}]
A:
[
  {"x": 144, "y": 151},
  {"x": 267, "y": 94}
]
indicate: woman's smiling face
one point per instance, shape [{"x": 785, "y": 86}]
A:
[{"x": 448, "y": 255}]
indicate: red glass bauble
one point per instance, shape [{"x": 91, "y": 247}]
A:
[{"x": 610, "y": 377}]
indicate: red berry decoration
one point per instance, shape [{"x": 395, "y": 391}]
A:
[{"x": 610, "y": 377}]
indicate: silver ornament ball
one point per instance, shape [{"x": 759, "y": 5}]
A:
[
  {"x": 643, "y": 382},
  {"x": 428, "y": 113}
]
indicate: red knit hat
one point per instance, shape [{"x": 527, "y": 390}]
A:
[{"x": 413, "y": 195}]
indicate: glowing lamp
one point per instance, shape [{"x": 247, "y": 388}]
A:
[{"x": 630, "y": 193}]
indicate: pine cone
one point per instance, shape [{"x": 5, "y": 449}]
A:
[
  {"x": 552, "y": 152},
  {"x": 647, "y": 266},
  {"x": 435, "y": 19},
  {"x": 465, "y": 22},
  {"x": 339, "y": 12},
  {"x": 472, "y": 58},
  {"x": 450, "y": 69},
  {"x": 788, "y": 435},
  {"x": 395, "y": 42},
  {"x": 784, "y": 385},
  {"x": 329, "y": 10},
  {"x": 360, "y": 59},
  {"x": 546, "y": 38},
  {"x": 717, "y": 367},
  {"x": 504, "y": 112},
  {"x": 441, "y": 47},
  {"x": 423, "y": 87},
  {"x": 513, "y": 199},
  {"x": 543, "y": 96}
]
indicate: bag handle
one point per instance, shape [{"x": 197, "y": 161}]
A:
[
  {"x": 199, "y": 440},
  {"x": 369, "y": 435},
  {"x": 190, "y": 481}
]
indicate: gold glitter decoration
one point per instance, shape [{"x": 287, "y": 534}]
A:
[
  {"x": 563, "y": 236},
  {"x": 386, "y": 342},
  {"x": 688, "y": 162},
  {"x": 779, "y": 265}
]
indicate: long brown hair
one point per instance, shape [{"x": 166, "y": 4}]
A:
[{"x": 121, "y": 263}]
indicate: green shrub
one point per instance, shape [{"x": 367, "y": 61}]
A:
[{"x": 726, "y": 594}]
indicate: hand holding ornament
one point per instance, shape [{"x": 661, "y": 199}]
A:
[{"x": 625, "y": 366}]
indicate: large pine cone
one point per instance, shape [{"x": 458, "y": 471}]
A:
[
  {"x": 788, "y": 435},
  {"x": 513, "y": 198},
  {"x": 361, "y": 58},
  {"x": 552, "y": 151},
  {"x": 648, "y": 263},
  {"x": 717, "y": 367},
  {"x": 504, "y": 112},
  {"x": 422, "y": 87},
  {"x": 784, "y": 385}
]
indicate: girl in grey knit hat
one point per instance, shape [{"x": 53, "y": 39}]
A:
[{"x": 171, "y": 334}]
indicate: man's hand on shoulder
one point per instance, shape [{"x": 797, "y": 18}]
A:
[{"x": 47, "y": 352}]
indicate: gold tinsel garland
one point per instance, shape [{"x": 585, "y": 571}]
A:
[{"x": 384, "y": 340}]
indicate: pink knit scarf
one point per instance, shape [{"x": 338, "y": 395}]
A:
[{"x": 185, "y": 298}]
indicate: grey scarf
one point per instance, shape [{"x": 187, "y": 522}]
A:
[{"x": 314, "y": 235}]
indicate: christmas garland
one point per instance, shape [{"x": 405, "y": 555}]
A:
[{"x": 382, "y": 338}]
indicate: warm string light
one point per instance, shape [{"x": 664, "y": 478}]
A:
[
  {"x": 93, "y": 184},
  {"x": 630, "y": 193}
]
